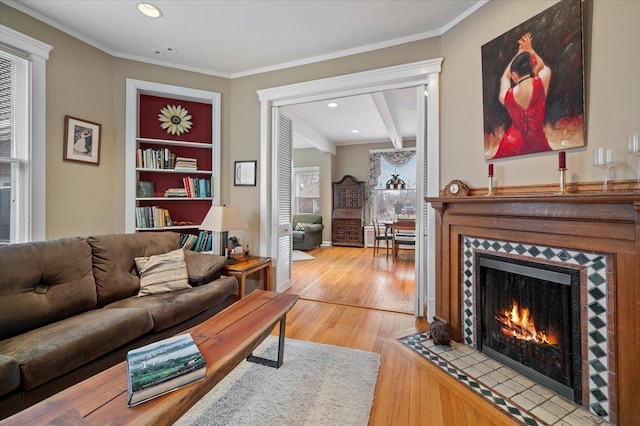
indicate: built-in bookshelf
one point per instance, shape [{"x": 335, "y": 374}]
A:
[{"x": 180, "y": 171}]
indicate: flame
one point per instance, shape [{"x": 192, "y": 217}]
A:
[{"x": 519, "y": 324}]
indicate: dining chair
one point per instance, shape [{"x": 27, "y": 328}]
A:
[
  {"x": 404, "y": 233},
  {"x": 380, "y": 236}
]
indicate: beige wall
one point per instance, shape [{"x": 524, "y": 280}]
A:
[
  {"x": 87, "y": 83},
  {"x": 245, "y": 107},
  {"x": 354, "y": 160},
  {"x": 80, "y": 198},
  {"x": 612, "y": 94}
]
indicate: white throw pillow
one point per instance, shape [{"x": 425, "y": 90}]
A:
[
  {"x": 162, "y": 273},
  {"x": 302, "y": 226}
]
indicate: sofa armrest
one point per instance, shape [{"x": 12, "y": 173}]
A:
[
  {"x": 10, "y": 373},
  {"x": 203, "y": 268},
  {"x": 314, "y": 227}
]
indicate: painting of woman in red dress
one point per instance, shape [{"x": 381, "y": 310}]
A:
[
  {"x": 525, "y": 102},
  {"x": 527, "y": 111}
]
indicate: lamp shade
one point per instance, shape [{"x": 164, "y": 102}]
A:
[{"x": 223, "y": 218}]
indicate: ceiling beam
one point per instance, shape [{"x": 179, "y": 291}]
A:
[
  {"x": 305, "y": 136},
  {"x": 382, "y": 105}
]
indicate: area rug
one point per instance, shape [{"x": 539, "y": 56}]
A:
[
  {"x": 316, "y": 385},
  {"x": 298, "y": 255}
]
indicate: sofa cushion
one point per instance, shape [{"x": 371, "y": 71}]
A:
[
  {"x": 53, "y": 350},
  {"x": 169, "y": 309},
  {"x": 10, "y": 373},
  {"x": 44, "y": 282},
  {"x": 113, "y": 261},
  {"x": 162, "y": 273},
  {"x": 203, "y": 267}
]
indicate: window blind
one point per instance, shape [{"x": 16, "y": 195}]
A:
[{"x": 14, "y": 146}]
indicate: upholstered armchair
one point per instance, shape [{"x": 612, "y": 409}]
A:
[{"x": 307, "y": 231}]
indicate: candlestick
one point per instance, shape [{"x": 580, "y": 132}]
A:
[
  {"x": 563, "y": 182},
  {"x": 633, "y": 148},
  {"x": 562, "y": 160},
  {"x": 490, "y": 188},
  {"x": 490, "y": 169}
]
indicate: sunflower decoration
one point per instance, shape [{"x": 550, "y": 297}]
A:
[{"x": 175, "y": 119}]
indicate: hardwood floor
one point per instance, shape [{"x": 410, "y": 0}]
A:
[
  {"x": 410, "y": 390},
  {"x": 352, "y": 276}
]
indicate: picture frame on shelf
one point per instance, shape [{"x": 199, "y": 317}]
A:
[
  {"x": 82, "y": 140},
  {"x": 245, "y": 173}
]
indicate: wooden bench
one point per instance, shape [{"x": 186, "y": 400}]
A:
[{"x": 224, "y": 340}]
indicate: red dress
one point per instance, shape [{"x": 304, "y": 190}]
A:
[{"x": 526, "y": 134}]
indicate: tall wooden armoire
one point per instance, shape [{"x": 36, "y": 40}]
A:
[{"x": 348, "y": 212}]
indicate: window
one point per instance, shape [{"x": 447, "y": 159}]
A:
[
  {"x": 306, "y": 183},
  {"x": 22, "y": 136},
  {"x": 14, "y": 161},
  {"x": 392, "y": 204},
  {"x": 396, "y": 203}
]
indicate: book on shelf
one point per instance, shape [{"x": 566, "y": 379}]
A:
[
  {"x": 163, "y": 366},
  {"x": 175, "y": 192},
  {"x": 152, "y": 217},
  {"x": 197, "y": 187},
  {"x": 150, "y": 158},
  {"x": 186, "y": 163},
  {"x": 198, "y": 243}
]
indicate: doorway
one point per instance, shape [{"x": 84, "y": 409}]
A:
[{"x": 424, "y": 77}]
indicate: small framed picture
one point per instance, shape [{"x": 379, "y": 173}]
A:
[
  {"x": 81, "y": 140},
  {"x": 245, "y": 173}
]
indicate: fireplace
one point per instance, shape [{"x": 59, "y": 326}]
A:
[
  {"x": 528, "y": 318},
  {"x": 530, "y": 276},
  {"x": 593, "y": 232}
]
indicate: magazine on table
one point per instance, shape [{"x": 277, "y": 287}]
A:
[{"x": 163, "y": 366}]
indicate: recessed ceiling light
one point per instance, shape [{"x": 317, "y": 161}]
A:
[
  {"x": 170, "y": 49},
  {"x": 355, "y": 131},
  {"x": 149, "y": 10},
  {"x": 332, "y": 104},
  {"x": 157, "y": 52}
]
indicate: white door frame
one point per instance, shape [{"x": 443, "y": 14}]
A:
[{"x": 397, "y": 77}]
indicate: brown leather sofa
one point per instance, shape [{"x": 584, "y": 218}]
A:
[{"x": 69, "y": 308}]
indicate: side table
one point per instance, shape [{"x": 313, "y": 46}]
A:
[{"x": 248, "y": 265}]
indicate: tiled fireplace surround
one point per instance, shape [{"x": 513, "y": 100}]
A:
[
  {"x": 597, "y": 327},
  {"x": 597, "y": 234}
]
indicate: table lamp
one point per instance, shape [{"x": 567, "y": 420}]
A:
[{"x": 224, "y": 219}]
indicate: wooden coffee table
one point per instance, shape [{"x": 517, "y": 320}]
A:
[{"x": 224, "y": 340}]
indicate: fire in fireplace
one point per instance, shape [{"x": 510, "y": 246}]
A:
[
  {"x": 529, "y": 319},
  {"x": 519, "y": 324}
]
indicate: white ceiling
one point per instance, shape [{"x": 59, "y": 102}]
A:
[
  {"x": 238, "y": 38},
  {"x": 384, "y": 117}
]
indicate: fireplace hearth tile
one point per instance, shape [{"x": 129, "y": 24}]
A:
[
  {"x": 545, "y": 415},
  {"x": 525, "y": 401}
]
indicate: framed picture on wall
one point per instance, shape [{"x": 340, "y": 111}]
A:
[
  {"x": 533, "y": 85},
  {"x": 245, "y": 173},
  {"x": 81, "y": 140}
]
